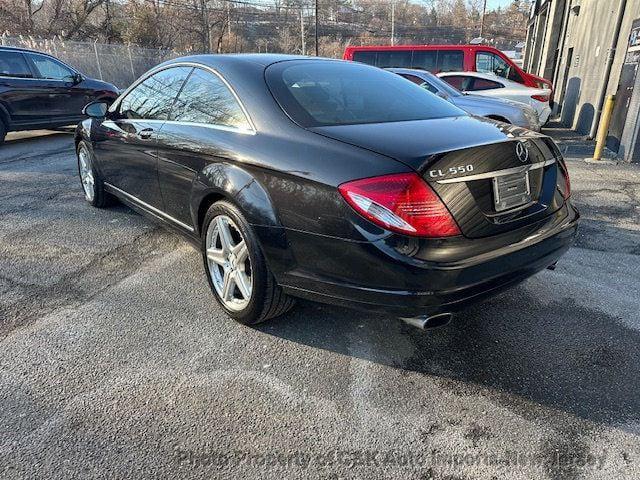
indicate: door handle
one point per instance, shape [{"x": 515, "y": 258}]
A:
[{"x": 145, "y": 133}]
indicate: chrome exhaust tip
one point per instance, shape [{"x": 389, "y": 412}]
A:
[{"x": 425, "y": 322}]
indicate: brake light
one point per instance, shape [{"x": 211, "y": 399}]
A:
[
  {"x": 541, "y": 98},
  {"x": 403, "y": 203}
]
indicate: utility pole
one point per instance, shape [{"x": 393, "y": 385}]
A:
[
  {"x": 229, "y": 24},
  {"x": 317, "y": 49},
  {"x": 304, "y": 49},
  {"x": 484, "y": 9},
  {"x": 393, "y": 22}
]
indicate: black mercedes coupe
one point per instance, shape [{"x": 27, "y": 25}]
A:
[{"x": 329, "y": 180}]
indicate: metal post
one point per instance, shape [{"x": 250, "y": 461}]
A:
[
  {"x": 302, "y": 30},
  {"x": 133, "y": 72},
  {"x": 484, "y": 9},
  {"x": 95, "y": 49},
  {"x": 393, "y": 22},
  {"x": 317, "y": 49},
  {"x": 603, "y": 129}
]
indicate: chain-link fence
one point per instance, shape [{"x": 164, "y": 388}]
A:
[{"x": 113, "y": 63}]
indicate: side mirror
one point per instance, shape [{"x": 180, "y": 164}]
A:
[
  {"x": 77, "y": 78},
  {"x": 96, "y": 109}
]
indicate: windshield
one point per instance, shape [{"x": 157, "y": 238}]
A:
[{"x": 324, "y": 93}]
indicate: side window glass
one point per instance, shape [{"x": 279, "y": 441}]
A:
[
  {"x": 50, "y": 69},
  {"x": 365, "y": 57},
  {"x": 484, "y": 84},
  {"x": 394, "y": 59},
  {"x": 421, "y": 83},
  {"x": 484, "y": 62},
  {"x": 13, "y": 64},
  {"x": 206, "y": 99},
  {"x": 450, "y": 61},
  {"x": 425, "y": 60},
  {"x": 458, "y": 81},
  {"x": 152, "y": 99},
  {"x": 491, "y": 63}
]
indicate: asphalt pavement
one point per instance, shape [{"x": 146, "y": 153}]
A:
[{"x": 116, "y": 362}]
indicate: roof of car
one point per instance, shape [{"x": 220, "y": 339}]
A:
[
  {"x": 263, "y": 59},
  {"x": 22, "y": 49}
]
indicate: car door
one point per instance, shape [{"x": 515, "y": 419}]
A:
[
  {"x": 18, "y": 89},
  {"x": 207, "y": 124},
  {"x": 55, "y": 82},
  {"x": 128, "y": 137}
]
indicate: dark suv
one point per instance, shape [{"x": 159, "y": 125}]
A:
[{"x": 39, "y": 91}]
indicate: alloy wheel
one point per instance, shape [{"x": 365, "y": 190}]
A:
[
  {"x": 229, "y": 263},
  {"x": 86, "y": 173}
]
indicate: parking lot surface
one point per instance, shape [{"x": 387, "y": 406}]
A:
[{"x": 116, "y": 362}]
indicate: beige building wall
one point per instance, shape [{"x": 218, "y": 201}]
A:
[{"x": 589, "y": 34}]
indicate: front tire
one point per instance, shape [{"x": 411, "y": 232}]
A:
[
  {"x": 92, "y": 184},
  {"x": 236, "y": 269}
]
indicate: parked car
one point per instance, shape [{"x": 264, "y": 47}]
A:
[
  {"x": 329, "y": 180},
  {"x": 489, "y": 85},
  {"x": 39, "y": 91},
  {"x": 507, "y": 111},
  {"x": 446, "y": 58}
]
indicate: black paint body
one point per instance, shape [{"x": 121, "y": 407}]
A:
[
  {"x": 33, "y": 103},
  {"x": 284, "y": 178}
]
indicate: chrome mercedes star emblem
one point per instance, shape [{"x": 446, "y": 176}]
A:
[{"x": 522, "y": 151}]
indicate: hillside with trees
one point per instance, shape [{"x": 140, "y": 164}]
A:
[{"x": 264, "y": 25}]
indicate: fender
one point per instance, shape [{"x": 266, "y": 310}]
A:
[{"x": 225, "y": 180}]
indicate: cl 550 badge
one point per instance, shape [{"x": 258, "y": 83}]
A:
[{"x": 451, "y": 171}]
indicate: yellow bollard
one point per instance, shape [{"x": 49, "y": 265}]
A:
[{"x": 603, "y": 128}]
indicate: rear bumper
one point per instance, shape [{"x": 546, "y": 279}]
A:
[{"x": 422, "y": 288}]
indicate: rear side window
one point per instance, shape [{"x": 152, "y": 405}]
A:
[
  {"x": 394, "y": 59},
  {"x": 461, "y": 82},
  {"x": 50, "y": 69},
  {"x": 450, "y": 61},
  {"x": 13, "y": 64},
  {"x": 425, "y": 60},
  {"x": 365, "y": 57},
  {"x": 326, "y": 93},
  {"x": 153, "y": 98},
  {"x": 421, "y": 83},
  {"x": 206, "y": 99},
  {"x": 484, "y": 84}
]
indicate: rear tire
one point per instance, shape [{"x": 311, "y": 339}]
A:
[
  {"x": 3, "y": 132},
  {"x": 236, "y": 269},
  {"x": 92, "y": 184}
]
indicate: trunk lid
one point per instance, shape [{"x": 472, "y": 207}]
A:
[{"x": 492, "y": 177}]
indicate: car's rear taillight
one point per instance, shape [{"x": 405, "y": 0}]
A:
[
  {"x": 402, "y": 203},
  {"x": 541, "y": 98}
]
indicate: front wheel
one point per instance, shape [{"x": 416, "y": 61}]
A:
[
  {"x": 92, "y": 184},
  {"x": 236, "y": 269}
]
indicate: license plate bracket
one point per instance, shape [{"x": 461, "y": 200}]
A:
[{"x": 511, "y": 191}]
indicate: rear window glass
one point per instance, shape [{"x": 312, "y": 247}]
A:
[
  {"x": 321, "y": 93},
  {"x": 13, "y": 64}
]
